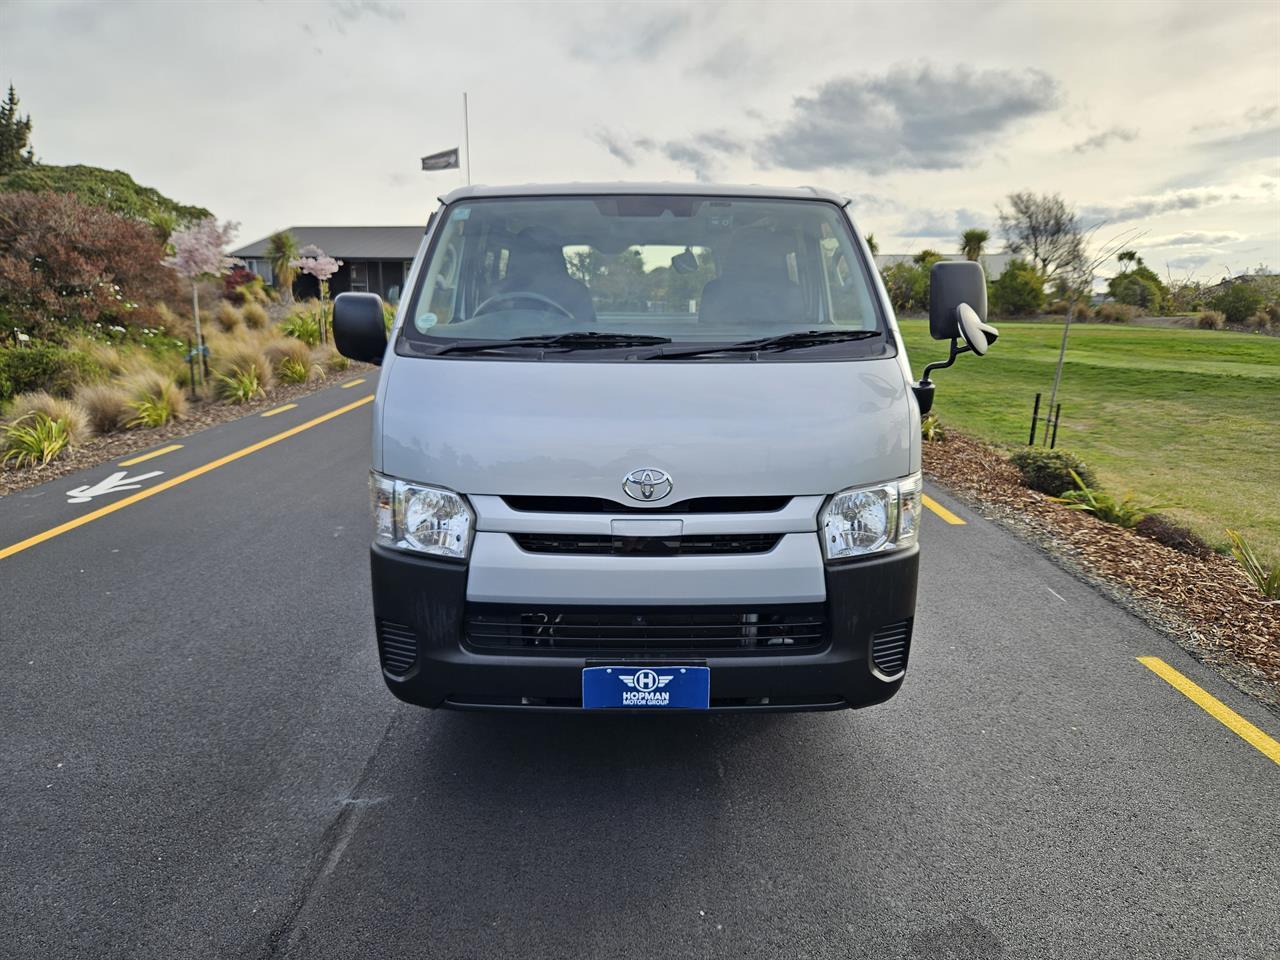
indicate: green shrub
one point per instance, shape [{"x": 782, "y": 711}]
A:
[
  {"x": 1211, "y": 320},
  {"x": 286, "y": 348},
  {"x": 293, "y": 371},
  {"x": 240, "y": 385},
  {"x": 1267, "y": 581},
  {"x": 1050, "y": 471},
  {"x": 68, "y": 412},
  {"x": 106, "y": 405},
  {"x": 931, "y": 429},
  {"x": 1139, "y": 287},
  {"x": 1239, "y": 301},
  {"x": 1019, "y": 291},
  {"x": 304, "y": 326},
  {"x": 1123, "y": 513},
  {"x": 154, "y": 399},
  {"x": 45, "y": 366},
  {"x": 236, "y": 358},
  {"x": 33, "y": 440},
  {"x": 908, "y": 286},
  {"x": 388, "y": 316}
]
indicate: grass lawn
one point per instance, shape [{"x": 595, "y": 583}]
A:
[{"x": 1188, "y": 417}]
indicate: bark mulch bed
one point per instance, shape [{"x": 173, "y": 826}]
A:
[
  {"x": 200, "y": 414},
  {"x": 1205, "y": 602}
]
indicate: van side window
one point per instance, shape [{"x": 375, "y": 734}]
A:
[{"x": 440, "y": 287}]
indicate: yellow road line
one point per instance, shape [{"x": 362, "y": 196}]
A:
[
  {"x": 174, "y": 481},
  {"x": 154, "y": 453},
  {"x": 272, "y": 413},
  {"x": 1211, "y": 705},
  {"x": 940, "y": 510},
  {"x": 352, "y": 383}
]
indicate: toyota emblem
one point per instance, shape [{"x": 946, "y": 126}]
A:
[{"x": 647, "y": 484}]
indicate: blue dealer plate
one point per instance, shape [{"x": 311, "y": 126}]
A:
[{"x": 687, "y": 688}]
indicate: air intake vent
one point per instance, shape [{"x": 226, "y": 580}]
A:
[
  {"x": 889, "y": 647},
  {"x": 398, "y": 645},
  {"x": 602, "y": 545},
  {"x": 609, "y": 630}
]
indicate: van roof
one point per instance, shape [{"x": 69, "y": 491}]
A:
[{"x": 618, "y": 188}]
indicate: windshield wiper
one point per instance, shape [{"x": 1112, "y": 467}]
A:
[
  {"x": 785, "y": 341},
  {"x": 595, "y": 338},
  {"x": 574, "y": 340}
]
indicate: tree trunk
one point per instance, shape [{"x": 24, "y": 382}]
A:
[{"x": 195, "y": 310}]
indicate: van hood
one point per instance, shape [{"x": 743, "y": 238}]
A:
[{"x": 546, "y": 428}]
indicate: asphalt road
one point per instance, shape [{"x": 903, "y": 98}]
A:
[{"x": 198, "y": 759}]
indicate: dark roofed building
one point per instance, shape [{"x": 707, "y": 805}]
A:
[{"x": 374, "y": 259}]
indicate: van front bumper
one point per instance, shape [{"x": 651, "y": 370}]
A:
[{"x": 421, "y": 611}]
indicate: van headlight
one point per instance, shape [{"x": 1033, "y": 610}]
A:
[
  {"x": 865, "y": 520},
  {"x": 423, "y": 519}
]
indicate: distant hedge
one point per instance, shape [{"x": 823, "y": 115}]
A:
[
  {"x": 44, "y": 366},
  {"x": 112, "y": 190}
]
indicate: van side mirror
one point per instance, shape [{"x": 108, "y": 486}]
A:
[
  {"x": 953, "y": 283},
  {"x": 359, "y": 331},
  {"x": 957, "y": 311}
]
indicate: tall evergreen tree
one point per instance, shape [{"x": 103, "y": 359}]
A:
[{"x": 15, "y": 135}]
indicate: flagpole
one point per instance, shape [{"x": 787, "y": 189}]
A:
[{"x": 466, "y": 134}]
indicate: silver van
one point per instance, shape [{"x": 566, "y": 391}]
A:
[{"x": 647, "y": 447}]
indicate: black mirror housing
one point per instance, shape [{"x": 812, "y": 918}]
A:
[
  {"x": 951, "y": 283},
  {"x": 359, "y": 331}
]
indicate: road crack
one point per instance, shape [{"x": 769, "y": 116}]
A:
[{"x": 333, "y": 843}]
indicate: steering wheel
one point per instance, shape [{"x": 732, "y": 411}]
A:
[{"x": 491, "y": 304}]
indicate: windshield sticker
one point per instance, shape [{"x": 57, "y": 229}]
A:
[{"x": 463, "y": 214}]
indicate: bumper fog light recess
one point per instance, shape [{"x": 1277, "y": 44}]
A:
[
  {"x": 861, "y": 521},
  {"x": 421, "y": 519}
]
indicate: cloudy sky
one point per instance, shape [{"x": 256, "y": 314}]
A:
[{"x": 1161, "y": 117}]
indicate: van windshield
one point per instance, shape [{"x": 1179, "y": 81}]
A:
[{"x": 613, "y": 271}]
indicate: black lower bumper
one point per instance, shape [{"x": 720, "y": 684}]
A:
[{"x": 420, "y": 609}]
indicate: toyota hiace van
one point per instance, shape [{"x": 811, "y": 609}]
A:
[{"x": 647, "y": 447}]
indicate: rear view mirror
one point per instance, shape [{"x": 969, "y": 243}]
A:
[
  {"x": 952, "y": 283},
  {"x": 359, "y": 331},
  {"x": 685, "y": 262}
]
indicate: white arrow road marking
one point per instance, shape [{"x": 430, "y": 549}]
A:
[{"x": 113, "y": 484}]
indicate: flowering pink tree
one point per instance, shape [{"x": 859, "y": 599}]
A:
[
  {"x": 198, "y": 252},
  {"x": 314, "y": 262}
]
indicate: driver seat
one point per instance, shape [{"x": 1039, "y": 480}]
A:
[{"x": 536, "y": 264}]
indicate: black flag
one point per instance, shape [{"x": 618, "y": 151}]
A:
[{"x": 444, "y": 160}]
